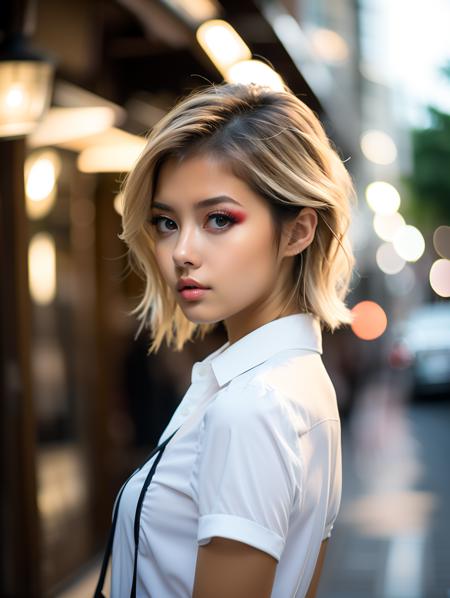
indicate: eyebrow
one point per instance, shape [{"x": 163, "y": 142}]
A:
[{"x": 211, "y": 201}]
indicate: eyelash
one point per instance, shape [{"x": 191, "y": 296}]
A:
[{"x": 231, "y": 220}]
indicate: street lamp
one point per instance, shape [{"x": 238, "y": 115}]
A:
[{"x": 26, "y": 79}]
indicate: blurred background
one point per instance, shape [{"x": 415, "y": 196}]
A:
[{"x": 81, "y": 83}]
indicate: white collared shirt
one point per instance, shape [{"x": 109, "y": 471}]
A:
[{"x": 257, "y": 459}]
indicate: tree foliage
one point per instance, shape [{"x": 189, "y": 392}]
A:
[{"x": 429, "y": 183}]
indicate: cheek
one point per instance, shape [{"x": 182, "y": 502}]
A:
[{"x": 250, "y": 257}]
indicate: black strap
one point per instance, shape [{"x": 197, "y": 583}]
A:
[{"x": 99, "y": 589}]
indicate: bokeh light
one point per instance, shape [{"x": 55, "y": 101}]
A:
[
  {"x": 222, "y": 44},
  {"x": 370, "y": 320},
  {"x": 409, "y": 243},
  {"x": 41, "y": 179},
  {"x": 255, "y": 71},
  {"x": 382, "y": 197},
  {"x": 329, "y": 45},
  {"x": 388, "y": 259},
  {"x": 441, "y": 241},
  {"x": 378, "y": 147},
  {"x": 41, "y": 173},
  {"x": 386, "y": 225},
  {"x": 440, "y": 278},
  {"x": 15, "y": 97},
  {"x": 64, "y": 124},
  {"x": 42, "y": 268},
  {"x": 120, "y": 157}
]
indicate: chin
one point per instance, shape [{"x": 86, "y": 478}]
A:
[
  {"x": 197, "y": 319},
  {"x": 203, "y": 320}
]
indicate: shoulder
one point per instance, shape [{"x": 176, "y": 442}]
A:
[
  {"x": 249, "y": 413},
  {"x": 294, "y": 383},
  {"x": 244, "y": 401},
  {"x": 292, "y": 389},
  {"x": 301, "y": 382}
]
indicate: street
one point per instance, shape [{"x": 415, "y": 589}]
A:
[{"x": 392, "y": 537}]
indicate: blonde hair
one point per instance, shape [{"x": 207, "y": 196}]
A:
[{"x": 273, "y": 142}]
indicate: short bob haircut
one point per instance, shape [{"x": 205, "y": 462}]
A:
[{"x": 274, "y": 143}]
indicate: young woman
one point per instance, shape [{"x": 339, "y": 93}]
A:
[{"x": 237, "y": 211}]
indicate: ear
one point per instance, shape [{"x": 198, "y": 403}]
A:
[{"x": 300, "y": 232}]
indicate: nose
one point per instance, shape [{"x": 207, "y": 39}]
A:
[{"x": 186, "y": 248}]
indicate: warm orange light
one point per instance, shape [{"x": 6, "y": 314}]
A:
[{"x": 369, "y": 321}]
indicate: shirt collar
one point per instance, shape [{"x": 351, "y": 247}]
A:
[{"x": 296, "y": 331}]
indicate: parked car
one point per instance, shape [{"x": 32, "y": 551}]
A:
[{"x": 421, "y": 347}]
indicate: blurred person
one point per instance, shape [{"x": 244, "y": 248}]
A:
[{"x": 237, "y": 212}]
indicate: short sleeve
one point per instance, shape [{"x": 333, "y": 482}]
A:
[{"x": 247, "y": 470}]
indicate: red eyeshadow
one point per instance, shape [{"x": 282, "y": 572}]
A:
[{"x": 239, "y": 216}]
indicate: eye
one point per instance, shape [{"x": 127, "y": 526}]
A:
[
  {"x": 222, "y": 217},
  {"x": 223, "y": 221},
  {"x": 155, "y": 220}
]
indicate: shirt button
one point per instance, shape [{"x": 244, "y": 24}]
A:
[
  {"x": 185, "y": 411},
  {"x": 199, "y": 371}
]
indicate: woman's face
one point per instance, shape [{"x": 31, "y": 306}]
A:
[{"x": 225, "y": 245}]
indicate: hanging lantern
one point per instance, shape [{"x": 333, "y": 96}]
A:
[{"x": 26, "y": 79}]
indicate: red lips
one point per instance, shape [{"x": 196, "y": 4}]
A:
[{"x": 189, "y": 282}]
